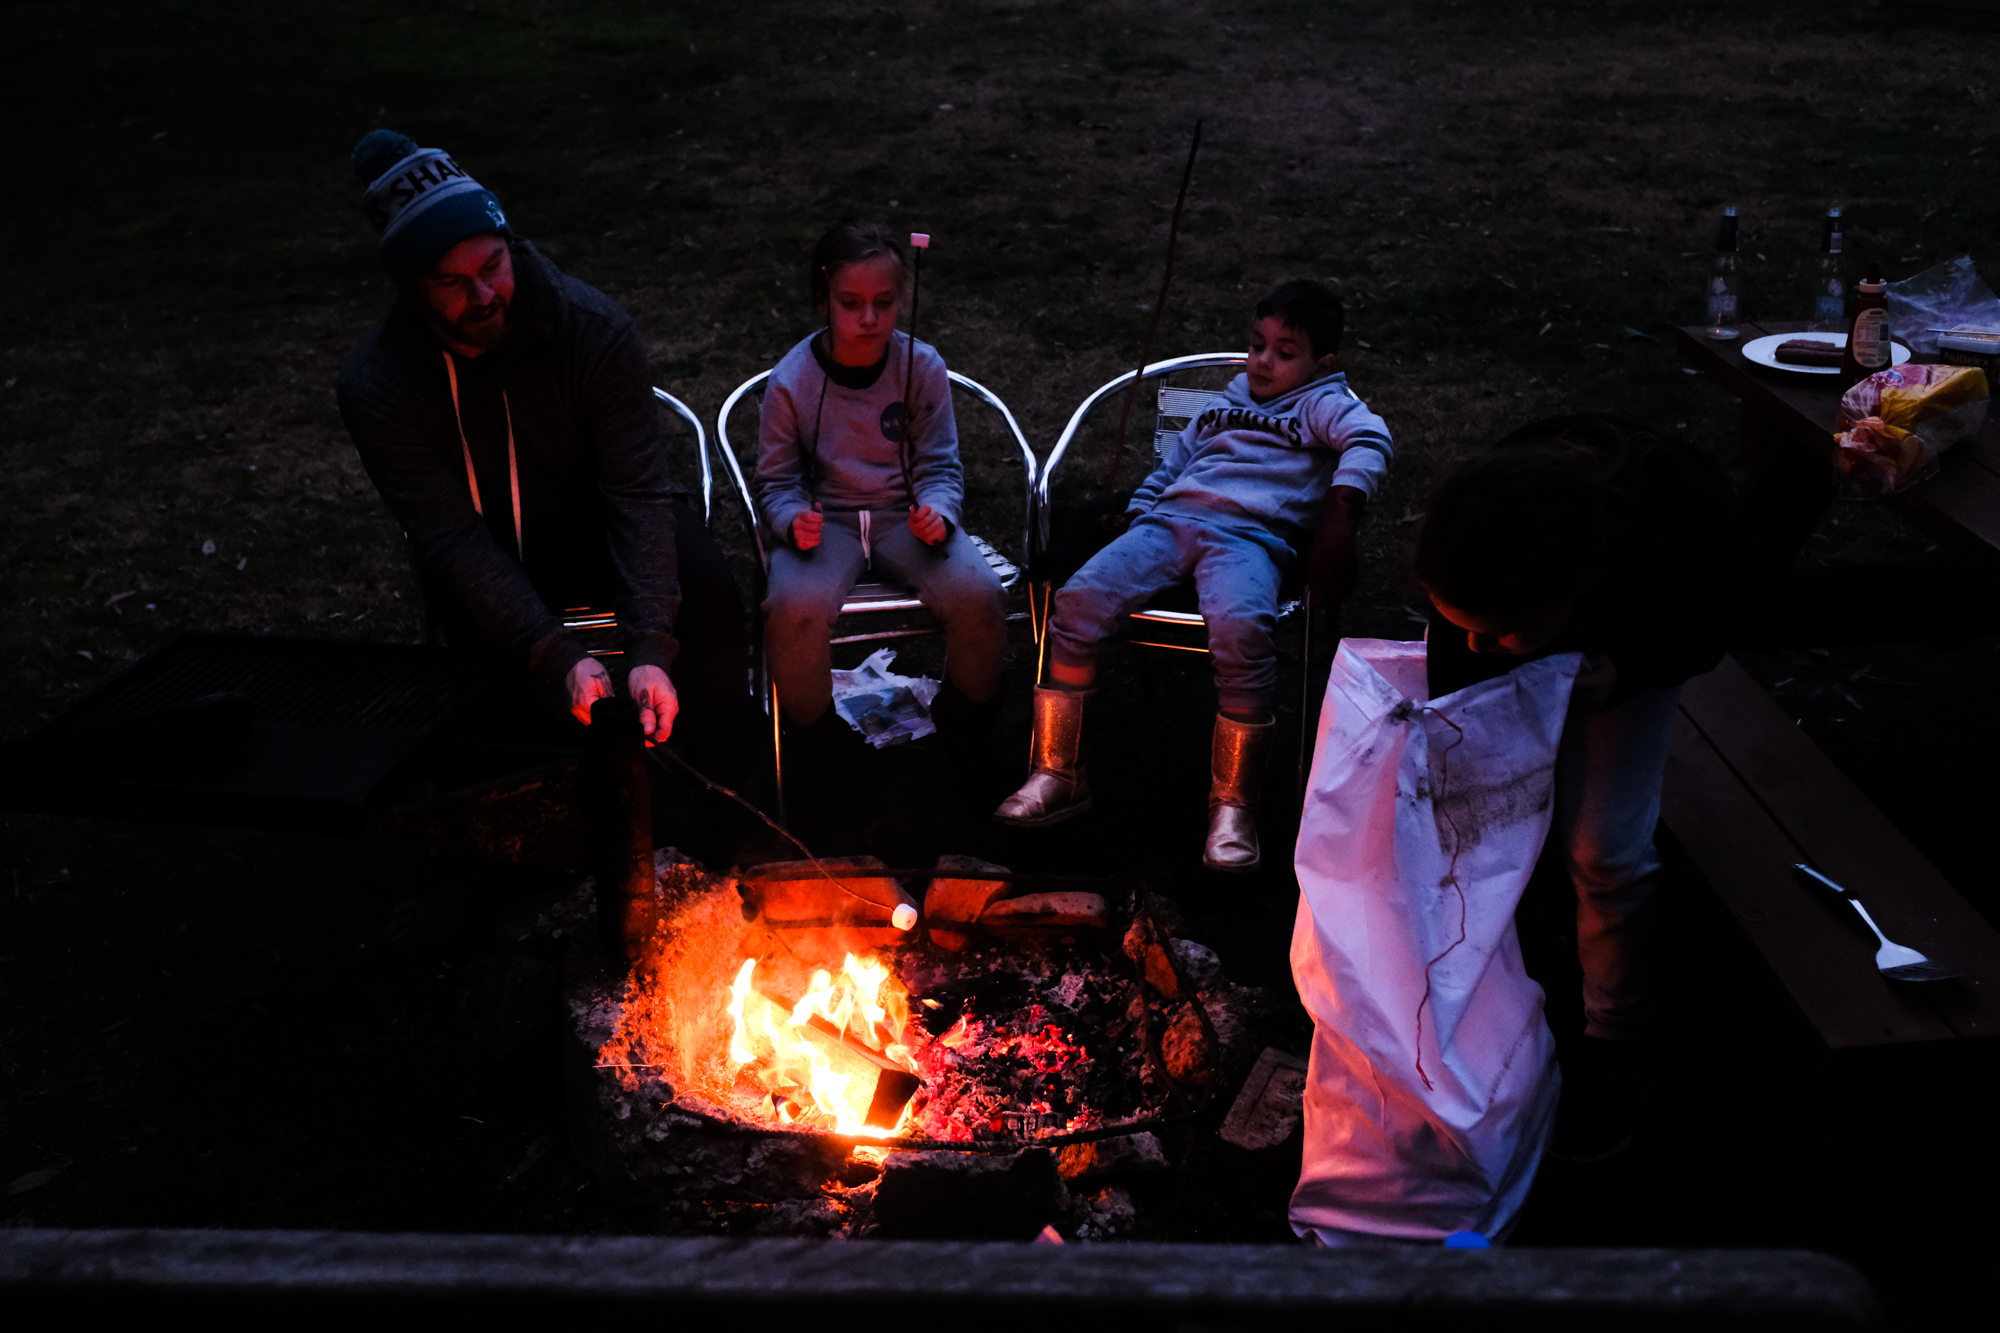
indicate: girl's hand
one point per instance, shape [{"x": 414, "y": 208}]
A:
[
  {"x": 928, "y": 525},
  {"x": 806, "y": 529}
]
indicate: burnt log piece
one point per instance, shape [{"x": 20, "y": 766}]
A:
[
  {"x": 1044, "y": 914},
  {"x": 833, "y": 907},
  {"x": 618, "y": 824},
  {"x": 1128, "y": 1154},
  {"x": 969, "y": 1196},
  {"x": 958, "y": 896},
  {"x": 877, "y": 1083}
]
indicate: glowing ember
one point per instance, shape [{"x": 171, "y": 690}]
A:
[{"x": 822, "y": 1058}]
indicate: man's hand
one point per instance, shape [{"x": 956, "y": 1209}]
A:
[
  {"x": 807, "y": 527},
  {"x": 928, "y": 524},
  {"x": 658, "y": 704},
  {"x": 1594, "y": 684},
  {"x": 588, "y": 682},
  {"x": 1333, "y": 564}
]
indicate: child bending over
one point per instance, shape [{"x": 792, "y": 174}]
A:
[
  {"x": 1235, "y": 495},
  {"x": 857, "y": 466},
  {"x": 1605, "y": 536}
]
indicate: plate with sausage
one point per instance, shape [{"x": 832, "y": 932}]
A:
[{"x": 1808, "y": 353}]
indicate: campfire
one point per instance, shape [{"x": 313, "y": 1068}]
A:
[{"x": 790, "y": 1040}]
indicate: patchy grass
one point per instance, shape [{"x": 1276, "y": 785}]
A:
[{"x": 186, "y": 264}]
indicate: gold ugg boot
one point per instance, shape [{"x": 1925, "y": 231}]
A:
[
  {"x": 1056, "y": 789},
  {"x": 1236, "y": 776}
]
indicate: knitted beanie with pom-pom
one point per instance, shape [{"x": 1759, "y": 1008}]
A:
[{"x": 420, "y": 200}]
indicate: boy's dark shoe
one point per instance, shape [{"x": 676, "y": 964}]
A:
[
  {"x": 966, "y": 730},
  {"x": 1606, "y": 1085}
]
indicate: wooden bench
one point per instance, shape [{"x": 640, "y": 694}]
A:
[{"x": 1746, "y": 796}]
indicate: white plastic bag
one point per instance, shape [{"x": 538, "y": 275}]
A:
[
  {"x": 886, "y": 708},
  {"x": 1943, "y": 296},
  {"x": 1432, "y": 1087}
]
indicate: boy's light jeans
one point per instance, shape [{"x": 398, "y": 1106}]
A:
[
  {"x": 1608, "y": 775},
  {"x": 1236, "y": 573}
]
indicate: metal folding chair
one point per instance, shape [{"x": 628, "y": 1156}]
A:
[
  {"x": 597, "y": 627},
  {"x": 1183, "y": 631},
  {"x": 872, "y": 602}
]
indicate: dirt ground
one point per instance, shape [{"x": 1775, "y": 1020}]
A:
[{"x": 221, "y": 1028}]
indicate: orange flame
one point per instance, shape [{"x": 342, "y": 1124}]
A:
[{"x": 863, "y": 1003}]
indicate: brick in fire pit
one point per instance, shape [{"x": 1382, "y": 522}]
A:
[
  {"x": 837, "y": 902},
  {"x": 1047, "y": 912},
  {"x": 957, "y": 898}
]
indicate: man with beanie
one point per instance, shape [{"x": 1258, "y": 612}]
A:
[{"x": 505, "y": 412}]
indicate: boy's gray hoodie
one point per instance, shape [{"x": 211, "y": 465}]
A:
[
  {"x": 1269, "y": 463},
  {"x": 819, "y": 440}
]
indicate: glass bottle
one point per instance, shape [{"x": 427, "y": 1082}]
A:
[
  {"x": 1722, "y": 281},
  {"x": 1829, "y": 308}
]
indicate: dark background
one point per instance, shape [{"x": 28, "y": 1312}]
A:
[{"x": 219, "y": 1028}]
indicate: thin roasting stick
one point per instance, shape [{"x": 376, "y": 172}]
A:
[
  {"x": 1153, "y": 322},
  {"x": 920, "y": 241},
  {"x": 657, "y": 750}
]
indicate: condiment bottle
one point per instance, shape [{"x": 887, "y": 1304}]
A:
[
  {"x": 1829, "y": 307},
  {"x": 1722, "y": 281},
  {"x": 1868, "y": 346}
]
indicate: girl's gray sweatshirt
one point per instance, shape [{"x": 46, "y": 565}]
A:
[
  {"x": 1269, "y": 463},
  {"x": 844, "y": 447}
]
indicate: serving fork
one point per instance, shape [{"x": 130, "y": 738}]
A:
[{"x": 1895, "y": 961}]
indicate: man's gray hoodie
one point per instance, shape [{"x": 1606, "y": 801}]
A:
[
  {"x": 842, "y": 445},
  {"x": 596, "y": 516},
  {"x": 1269, "y": 463}
]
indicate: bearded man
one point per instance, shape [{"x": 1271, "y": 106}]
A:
[{"x": 505, "y": 412}]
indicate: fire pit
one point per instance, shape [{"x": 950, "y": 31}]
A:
[{"x": 841, "y": 1048}]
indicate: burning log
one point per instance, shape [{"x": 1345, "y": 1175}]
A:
[{"x": 846, "y": 1079}]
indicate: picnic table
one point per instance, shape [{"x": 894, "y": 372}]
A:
[
  {"x": 1747, "y": 794},
  {"x": 1787, "y": 438}
]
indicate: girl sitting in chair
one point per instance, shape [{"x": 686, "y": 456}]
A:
[{"x": 857, "y": 468}]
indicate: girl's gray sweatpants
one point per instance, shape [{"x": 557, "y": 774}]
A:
[
  {"x": 1236, "y": 569},
  {"x": 807, "y": 588}
]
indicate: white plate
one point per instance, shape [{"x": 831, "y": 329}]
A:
[{"x": 1764, "y": 351}]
